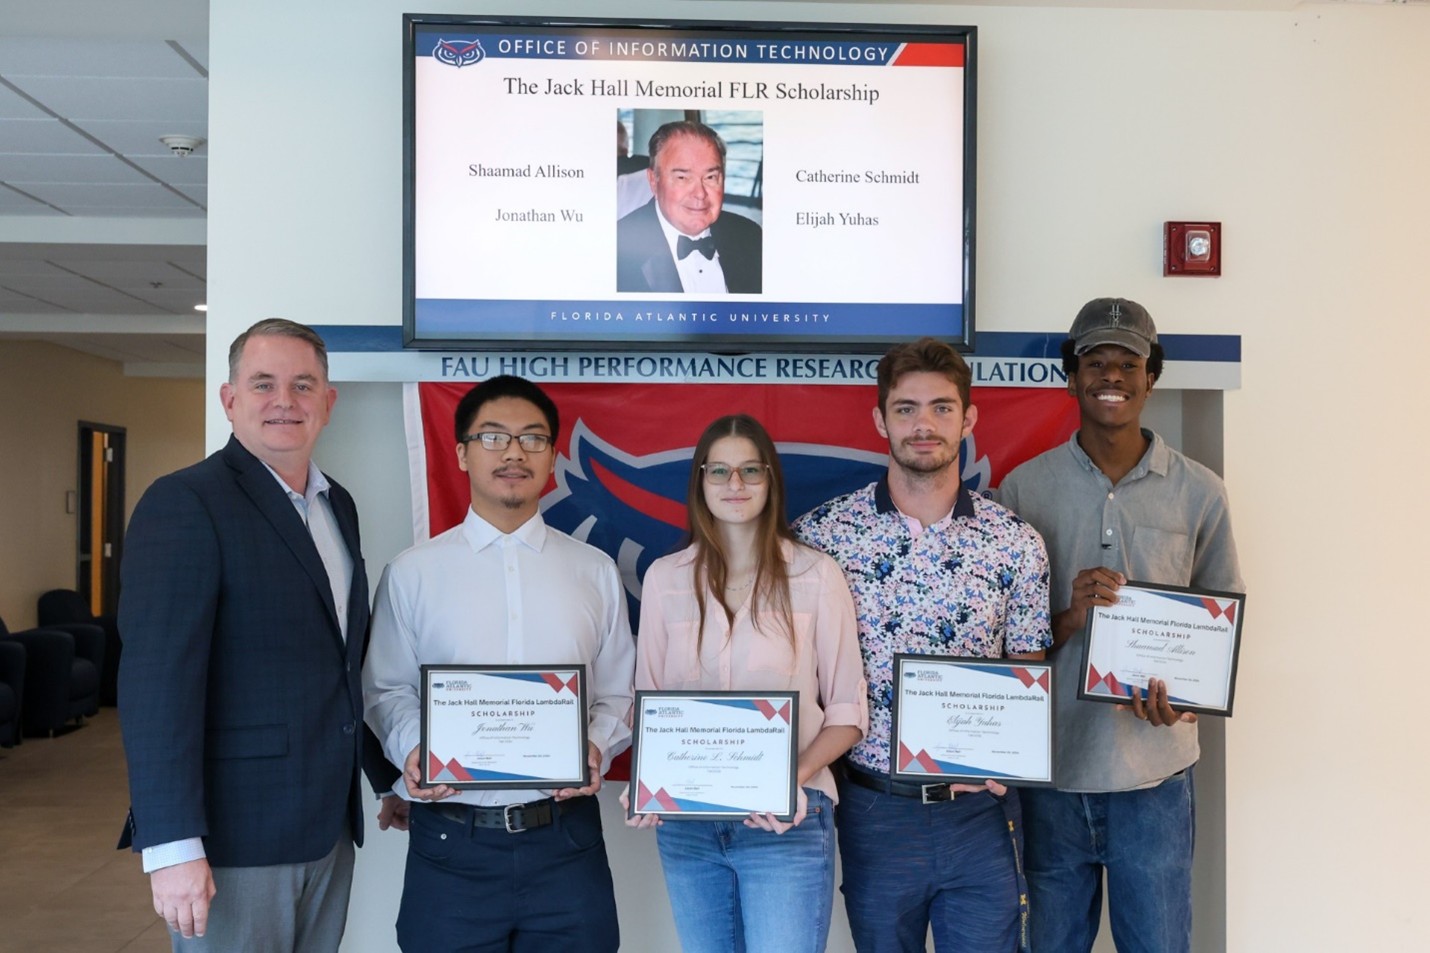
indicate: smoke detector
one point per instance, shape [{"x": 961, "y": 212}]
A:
[{"x": 181, "y": 145}]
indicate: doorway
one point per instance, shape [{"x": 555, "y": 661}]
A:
[{"x": 100, "y": 515}]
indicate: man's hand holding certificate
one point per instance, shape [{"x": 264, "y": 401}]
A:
[
  {"x": 1185, "y": 639},
  {"x": 504, "y": 726}
]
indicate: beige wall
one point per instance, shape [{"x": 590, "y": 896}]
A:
[
  {"x": 1304, "y": 131},
  {"x": 45, "y": 390}
]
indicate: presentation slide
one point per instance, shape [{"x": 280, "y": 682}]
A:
[{"x": 807, "y": 191}]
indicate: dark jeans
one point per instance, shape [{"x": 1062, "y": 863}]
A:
[
  {"x": 475, "y": 890},
  {"x": 1143, "y": 839},
  {"x": 908, "y": 864}
]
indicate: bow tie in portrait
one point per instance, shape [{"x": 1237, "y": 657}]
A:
[{"x": 706, "y": 246}]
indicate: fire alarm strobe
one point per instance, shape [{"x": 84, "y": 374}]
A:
[{"x": 1191, "y": 248}]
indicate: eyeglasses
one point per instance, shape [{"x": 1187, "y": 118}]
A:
[
  {"x": 498, "y": 440},
  {"x": 749, "y": 473}
]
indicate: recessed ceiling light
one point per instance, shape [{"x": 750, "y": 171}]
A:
[{"x": 201, "y": 307}]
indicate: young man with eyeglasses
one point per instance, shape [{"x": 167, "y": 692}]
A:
[
  {"x": 935, "y": 570},
  {"x": 519, "y": 870}
]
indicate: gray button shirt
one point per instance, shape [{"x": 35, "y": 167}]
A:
[{"x": 1165, "y": 522}]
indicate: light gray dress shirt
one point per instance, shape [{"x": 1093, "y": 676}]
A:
[{"x": 1165, "y": 522}]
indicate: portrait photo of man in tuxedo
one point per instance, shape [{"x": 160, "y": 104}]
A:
[{"x": 683, "y": 240}]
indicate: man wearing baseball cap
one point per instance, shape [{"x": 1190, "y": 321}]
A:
[{"x": 1116, "y": 503}]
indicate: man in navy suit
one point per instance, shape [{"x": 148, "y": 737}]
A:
[
  {"x": 244, "y": 613},
  {"x": 681, "y": 241}
]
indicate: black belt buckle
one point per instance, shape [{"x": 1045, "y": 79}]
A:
[
  {"x": 935, "y": 793},
  {"x": 511, "y": 828}
]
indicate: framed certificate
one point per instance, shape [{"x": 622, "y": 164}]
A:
[
  {"x": 504, "y": 726},
  {"x": 714, "y": 755},
  {"x": 971, "y": 719},
  {"x": 1189, "y": 638}
]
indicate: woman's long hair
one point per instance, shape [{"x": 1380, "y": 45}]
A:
[{"x": 770, "y": 587}]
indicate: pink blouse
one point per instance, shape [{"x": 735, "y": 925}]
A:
[{"x": 823, "y": 665}]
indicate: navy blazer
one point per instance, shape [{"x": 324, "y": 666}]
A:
[
  {"x": 240, "y": 702},
  {"x": 644, "y": 261}
]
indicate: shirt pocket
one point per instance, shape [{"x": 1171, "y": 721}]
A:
[
  {"x": 1160, "y": 556},
  {"x": 682, "y": 665},
  {"x": 771, "y": 651}
]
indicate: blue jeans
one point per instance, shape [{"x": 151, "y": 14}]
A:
[
  {"x": 1144, "y": 841},
  {"x": 736, "y": 888},
  {"x": 954, "y": 864},
  {"x": 480, "y": 890}
]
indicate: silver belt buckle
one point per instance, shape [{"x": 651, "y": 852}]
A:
[
  {"x": 935, "y": 793},
  {"x": 506, "y": 818}
]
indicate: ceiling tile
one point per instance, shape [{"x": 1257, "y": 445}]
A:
[
  {"x": 15, "y": 107},
  {"x": 21, "y": 169},
  {"x": 137, "y": 277},
  {"x": 27, "y": 267},
  {"x": 14, "y": 304},
  {"x": 133, "y": 138},
  {"x": 43, "y": 137},
  {"x": 85, "y": 56},
  {"x": 185, "y": 211},
  {"x": 199, "y": 193},
  {"x": 100, "y": 97},
  {"x": 13, "y": 203},
  {"x": 78, "y": 196},
  {"x": 186, "y": 171}
]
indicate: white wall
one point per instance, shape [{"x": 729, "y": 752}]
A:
[{"x": 1303, "y": 131}]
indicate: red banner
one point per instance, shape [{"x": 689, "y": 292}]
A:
[{"x": 632, "y": 442}]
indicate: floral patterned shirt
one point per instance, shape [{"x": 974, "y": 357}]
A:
[{"x": 973, "y": 584}]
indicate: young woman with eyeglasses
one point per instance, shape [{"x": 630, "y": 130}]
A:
[{"x": 746, "y": 607}]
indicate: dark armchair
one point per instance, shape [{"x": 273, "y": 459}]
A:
[
  {"x": 61, "y": 607},
  {"x": 12, "y": 691},
  {"x": 62, "y": 669}
]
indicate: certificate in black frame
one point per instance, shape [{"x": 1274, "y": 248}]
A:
[
  {"x": 1217, "y": 603},
  {"x": 774, "y": 706},
  {"x": 557, "y": 679},
  {"x": 1025, "y": 678}
]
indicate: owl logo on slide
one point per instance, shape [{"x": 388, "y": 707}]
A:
[{"x": 458, "y": 53}]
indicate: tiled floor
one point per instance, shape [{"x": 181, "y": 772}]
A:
[{"x": 63, "y": 886}]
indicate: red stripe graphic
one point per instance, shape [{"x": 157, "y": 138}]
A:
[
  {"x": 1026, "y": 677},
  {"x": 666, "y": 802},
  {"x": 770, "y": 712},
  {"x": 1108, "y": 679},
  {"x": 667, "y": 511},
  {"x": 923, "y": 759},
  {"x": 1216, "y": 609},
  {"x": 930, "y": 54}
]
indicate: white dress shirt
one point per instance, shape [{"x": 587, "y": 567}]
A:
[
  {"x": 477, "y": 596},
  {"x": 697, "y": 273}
]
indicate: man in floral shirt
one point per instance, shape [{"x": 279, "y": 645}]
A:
[{"x": 935, "y": 570}]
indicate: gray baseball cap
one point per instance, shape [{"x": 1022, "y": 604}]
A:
[{"x": 1113, "y": 321}]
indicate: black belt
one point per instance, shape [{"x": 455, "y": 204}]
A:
[
  {"x": 512, "y": 818},
  {"x": 927, "y": 793}
]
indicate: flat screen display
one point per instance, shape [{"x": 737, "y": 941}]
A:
[{"x": 687, "y": 186}]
